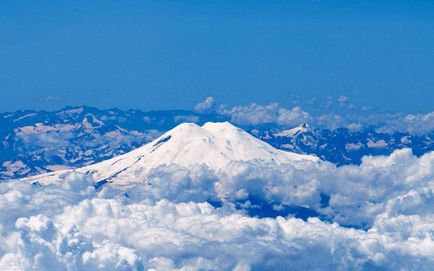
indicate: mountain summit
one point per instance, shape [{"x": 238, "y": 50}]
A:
[
  {"x": 213, "y": 144},
  {"x": 302, "y": 128}
]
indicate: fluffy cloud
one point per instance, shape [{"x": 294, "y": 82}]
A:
[
  {"x": 378, "y": 217},
  {"x": 417, "y": 124},
  {"x": 412, "y": 123},
  {"x": 205, "y": 106},
  {"x": 273, "y": 113},
  {"x": 255, "y": 114},
  {"x": 344, "y": 101}
]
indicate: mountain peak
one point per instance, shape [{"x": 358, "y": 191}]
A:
[
  {"x": 210, "y": 130},
  {"x": 302, "y": 128},
  {"x": 210, "y": 126},
  {"x": 221, "y": 125},
  {"x": 305, "y": 126},
  {"x": 184, "y": 127},
  {"x": 215, "y": 145}
]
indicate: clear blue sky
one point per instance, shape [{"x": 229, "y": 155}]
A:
[{"x": 171, "y": 54}]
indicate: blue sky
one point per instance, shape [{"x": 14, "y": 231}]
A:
[{"x": 167, "y": 54}]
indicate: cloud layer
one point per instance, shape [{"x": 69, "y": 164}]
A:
[
  {"x": 255, "y": 114},
  {"x": 337, "y": 113},
  {"x": 376, "y": 216}
]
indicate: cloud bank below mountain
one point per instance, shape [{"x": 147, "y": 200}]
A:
[{"x": 378, "y": 216}]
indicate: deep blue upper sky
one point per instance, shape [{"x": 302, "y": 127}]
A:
[{"x": 171, "y": 54}]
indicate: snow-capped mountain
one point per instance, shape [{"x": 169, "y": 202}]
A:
[
  {"x": 303, "y": 129},
  {"x": 35, "y": 142},
  {"x": 343, "y": 146},
  {"x": 214, "y": 145}
]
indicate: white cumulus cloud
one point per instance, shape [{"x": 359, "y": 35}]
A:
[
  {"x": 205, "y": 106},
  {"x": 378, "y": 217},
  {"x": 255, "y": 114}
]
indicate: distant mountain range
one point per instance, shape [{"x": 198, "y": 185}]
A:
[
  {"x": 34, "y": 142},
  {"x": 343, "y": 146}
]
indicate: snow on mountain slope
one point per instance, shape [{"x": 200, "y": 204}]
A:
[
  {"x": 35, "y": 142},
  {"x": 214, "y": 144},
  {"x": 295, "y": 131}
]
